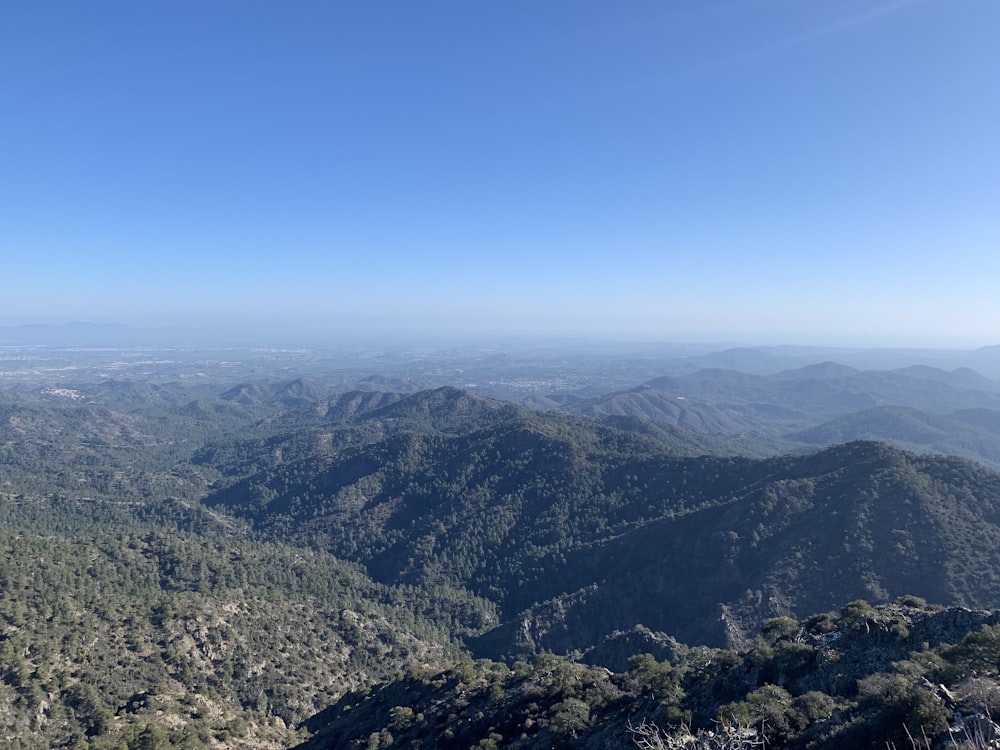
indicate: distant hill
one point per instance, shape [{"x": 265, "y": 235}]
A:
[
  {"x": 962, "y": 378},
  {"x": 970, "y": 433},
  {"x": 390, "y": 384},
  {"x": 288, "y": 394},
  {"x": 347, "y": 406},
  {"x": 758, "y": 361},
  {"x": 448, "y": 410},
  {"x": 822, "y": 371},
  {"x": 653, "y": 404},
  {"x": 719, "y": 401},
  {"x": 770, "y": 360}
]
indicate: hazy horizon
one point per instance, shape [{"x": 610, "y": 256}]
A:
[
  {"x": 297, "y": 333},
  {"x": 754, "y": 172}
]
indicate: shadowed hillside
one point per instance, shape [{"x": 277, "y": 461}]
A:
[{"x": 575, "y": 528}]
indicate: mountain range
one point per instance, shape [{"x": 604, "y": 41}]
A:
[
  {"x": 574, "y": 528},
  {"x": 242, "y": 564}
]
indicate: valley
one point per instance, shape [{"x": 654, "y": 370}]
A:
[{"x": 371, "y": 548}]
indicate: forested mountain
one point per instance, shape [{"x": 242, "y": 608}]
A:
[
  {"x": 971, "y": 433},
  {"x": 921, "y": 408},
  {"x": 210, "y": 565},
  {"x": 729, "y": 402},
  {"x": 574, "y": 528},
  {"x": 655, "y": 404},
  {"x": 297, "y": 392}
]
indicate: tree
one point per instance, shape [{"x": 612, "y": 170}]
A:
[{"x": 151, "y": 738}]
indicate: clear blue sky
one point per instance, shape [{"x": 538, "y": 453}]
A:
[{"x": 757, "y": 170}]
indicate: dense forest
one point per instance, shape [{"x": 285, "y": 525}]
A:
[{"x": 280, "y": 565}]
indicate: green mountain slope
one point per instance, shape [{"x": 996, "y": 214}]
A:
[
  {"x": 211, "y": 572},
  {"x": 971, "y": 433},
  {"x": 111, "y": 626},
  {"x": 575, "y": 529}
]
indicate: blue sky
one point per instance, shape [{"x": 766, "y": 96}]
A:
[{"x": 821, "y": 171}]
